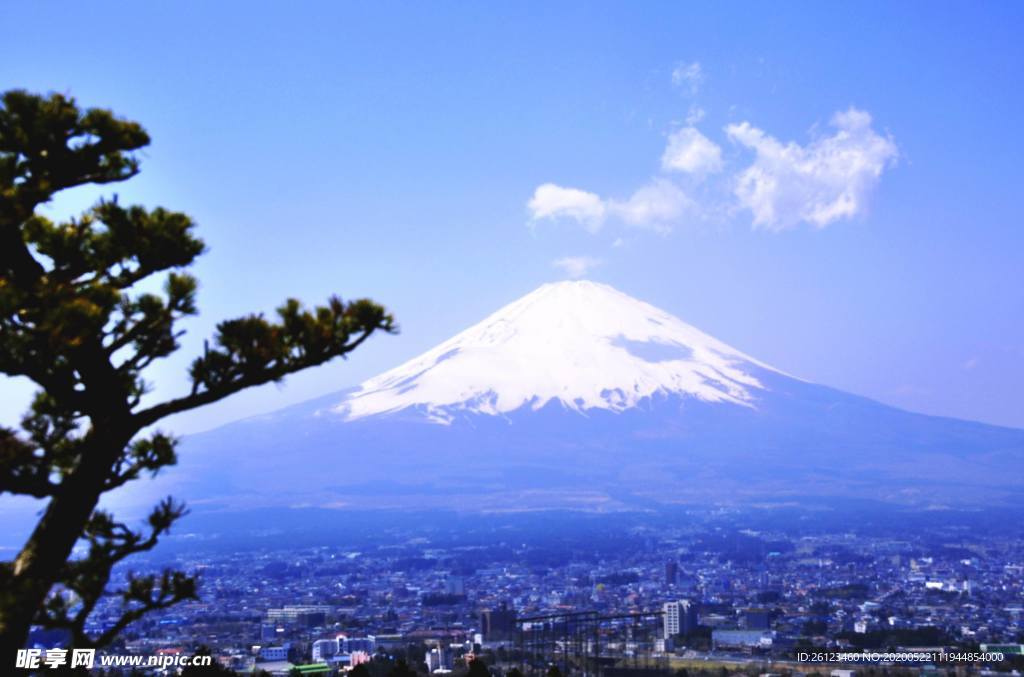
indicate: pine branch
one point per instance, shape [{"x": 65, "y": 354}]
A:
[
  {"x": 21, "y": 470},
  {"x": 151, "y": 594},
  {"x": 253, "y": 351},
  {"x": 144, "y": 455},
  {"x": 147, "y": 322},
  {"x": 50, "y": 145},
  {"x": 84, "y": 581}
]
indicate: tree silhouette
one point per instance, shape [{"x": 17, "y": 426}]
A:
[
  {"x": 73, "y": 321},
  {"x": 477, "y": 668},
  {"x": 401, "y": 669}
]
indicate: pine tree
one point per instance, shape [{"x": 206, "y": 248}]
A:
[{"x": 73, "y": 320}]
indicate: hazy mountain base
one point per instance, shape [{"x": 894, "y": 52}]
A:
[
  {"x": 564, "y": 531},
  {"x": 627, "y": 408},
  {"x": 799, "y": 441},
  {"x": 800, "y": 444}
]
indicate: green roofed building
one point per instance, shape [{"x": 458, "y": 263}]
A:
[
  {"x": 313, "y": 669},
  {"x": 1005, "y": 649}
]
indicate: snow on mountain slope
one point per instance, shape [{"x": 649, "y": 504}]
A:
[
  {"x": 577, "y": 396},
  {"x": 580, "y": 343}
]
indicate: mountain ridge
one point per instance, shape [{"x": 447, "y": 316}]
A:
[
  {"x": 425, "y": 437},
  {"x": 583, "y": 343}
]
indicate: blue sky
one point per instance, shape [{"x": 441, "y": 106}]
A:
[{"x": 832, "y": 188}]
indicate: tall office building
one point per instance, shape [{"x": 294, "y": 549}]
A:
[
  {"x": 498, "y": 624},
  {"x": 680, "y": 618},
  {"x": 671, "y": 572}
]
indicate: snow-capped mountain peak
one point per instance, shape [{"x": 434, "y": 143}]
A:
[{"x": 581, "y": 343}]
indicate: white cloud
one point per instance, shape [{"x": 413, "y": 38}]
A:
[
  {"x": 829, "y": 179},
  {"x": 694, "y": 115},
  {"x": 653, "y": 206},
  {"x": 690, "y": 151},
  {"x": 550, "y": 201},
  {"x": 576, "y": 266},
  {"x": 688, "y": 75}
]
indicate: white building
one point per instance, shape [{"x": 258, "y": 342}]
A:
[
  {"x": 679, "y": 618},
  {"x": 437, "y": 659},
  {"x": 324, "y": 649},
  {"x": 741, "y": 639}
]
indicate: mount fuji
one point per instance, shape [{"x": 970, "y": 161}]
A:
[
  {"x": 579, "y": 396},
  {"x": 583, "y": 345}
]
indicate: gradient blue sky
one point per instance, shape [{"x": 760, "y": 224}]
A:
[{"x": 391, "y": 150}]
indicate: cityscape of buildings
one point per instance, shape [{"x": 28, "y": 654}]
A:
[{"x": 709, "y": 593}]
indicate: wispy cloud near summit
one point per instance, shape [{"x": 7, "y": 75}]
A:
[
  {"x": 551, "y": 201},
  {"x": 576, "y": 266},
  {"x": 656, "y": 206}
]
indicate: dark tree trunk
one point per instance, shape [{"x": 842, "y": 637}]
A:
[{"x": 39, "y": 564}]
